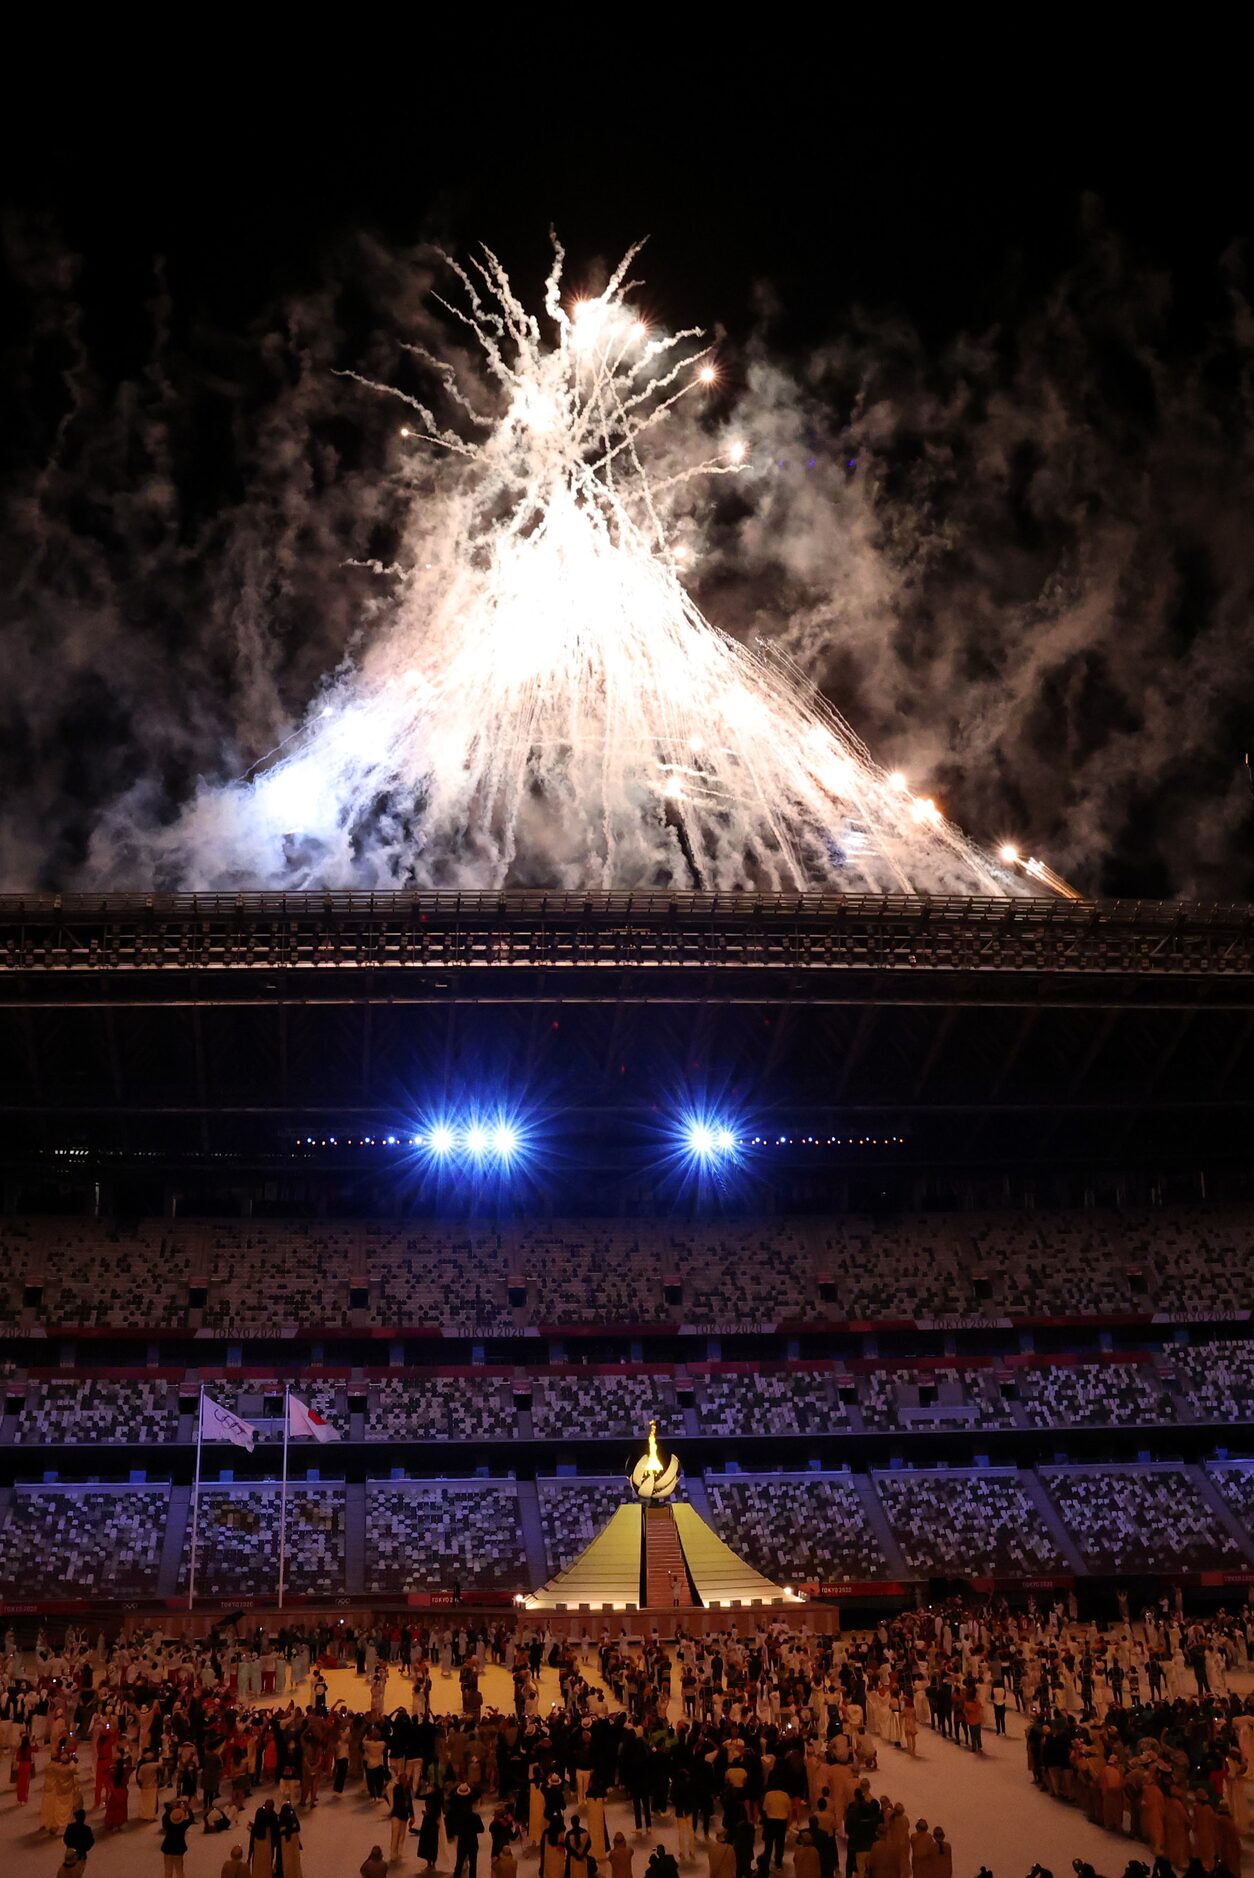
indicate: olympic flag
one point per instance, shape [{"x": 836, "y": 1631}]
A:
[{"x": 220, "y": 1424}]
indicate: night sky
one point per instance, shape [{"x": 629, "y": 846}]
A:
[{"x": 989, "y": 303}]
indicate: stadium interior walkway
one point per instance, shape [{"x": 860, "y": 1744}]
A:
[{"x": 991, "y": 1812}]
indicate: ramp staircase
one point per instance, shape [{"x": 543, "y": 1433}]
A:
[{"x": 665, "y": 1570}]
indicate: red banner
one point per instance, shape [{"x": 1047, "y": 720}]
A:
[
  {"x": 470, "y": 1599},
  {"x": 67, "y": 1607},
  {"x": 878, "y": 1588}
]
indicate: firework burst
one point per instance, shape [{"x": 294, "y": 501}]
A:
[{"x": 542, "y": 703}]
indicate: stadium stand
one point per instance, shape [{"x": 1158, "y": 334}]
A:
[
  {"x": 1102, "y": 1395},
  {"x": 892, "y": 1270},
  {"x": 589, "y": 1274},
  {"x": 452, "y": 1276},
  {"x": 576, "y": 1406},
  {"x": 83, "y": 1541},
  {"x": 1201, "y": 1258},
  {"x": 982, "y": 1524},
  {"x": 792, "y": 1529},
  {"x": 1060, "y": 1264},
  {"x": 1150, "y": 1519},
  {"x": 793, "y": 1402},
  {"x": 17, "y": 1265},
  {"x": 1216, "y": 1379},
  {"x": 91, "y": 1411},
  {"x": 573, "y": 1512},
  {"x": 99, "y": 1274},
  {"x": 438, "y": 1408},
  {"x": 242, "y": 1283},
  {"x": 938, "y": 1397},
  {"x": 237, "y": 1541},
  {"x": 760, "y": 1272},
  {"x": 264, "y": 1274},
  {"x": 423, "y": 1535},
  {"x": 1236, "y": 1483}
]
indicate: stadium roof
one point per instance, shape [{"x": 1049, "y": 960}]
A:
[{"x": 983, "y": 1030}]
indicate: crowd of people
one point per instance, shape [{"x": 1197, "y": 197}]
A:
[
  {"x": 756, "y": 1745},
  {"x": 731, "y": 1739}
]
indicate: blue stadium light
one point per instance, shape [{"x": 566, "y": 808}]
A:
[
  {"x": 504, "y": 1141},
  {"x": 708, "y": 1138},
  {"x": 441, "y": 1140},
  {"x": 477, "y": 1140}
]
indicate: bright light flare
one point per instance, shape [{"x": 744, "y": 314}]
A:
[
  {"x": 587, "y": 321},
  {"x": 837, "y": 775},
  {"x": 707, "y": 374},
  {"x": 1009, "y": 853},
  {"x": 737, "y": 450},
  {"x": 706, "y": 1139},
  {"x": 476, "y": 1139}
]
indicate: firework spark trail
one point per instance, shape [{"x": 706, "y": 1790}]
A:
[{"x": 545, "y": 704}]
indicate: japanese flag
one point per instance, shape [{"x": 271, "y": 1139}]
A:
[
  {"x": 219, "y": 1424},
  {"x": 302, "y": 1420}
]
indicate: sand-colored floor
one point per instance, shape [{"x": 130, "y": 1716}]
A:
[{"x": 989, "y": 1808}]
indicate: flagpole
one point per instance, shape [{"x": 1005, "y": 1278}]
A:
[
  {"x": 200, "y": 1423},
  {"x": 287, "y": 1422}
]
